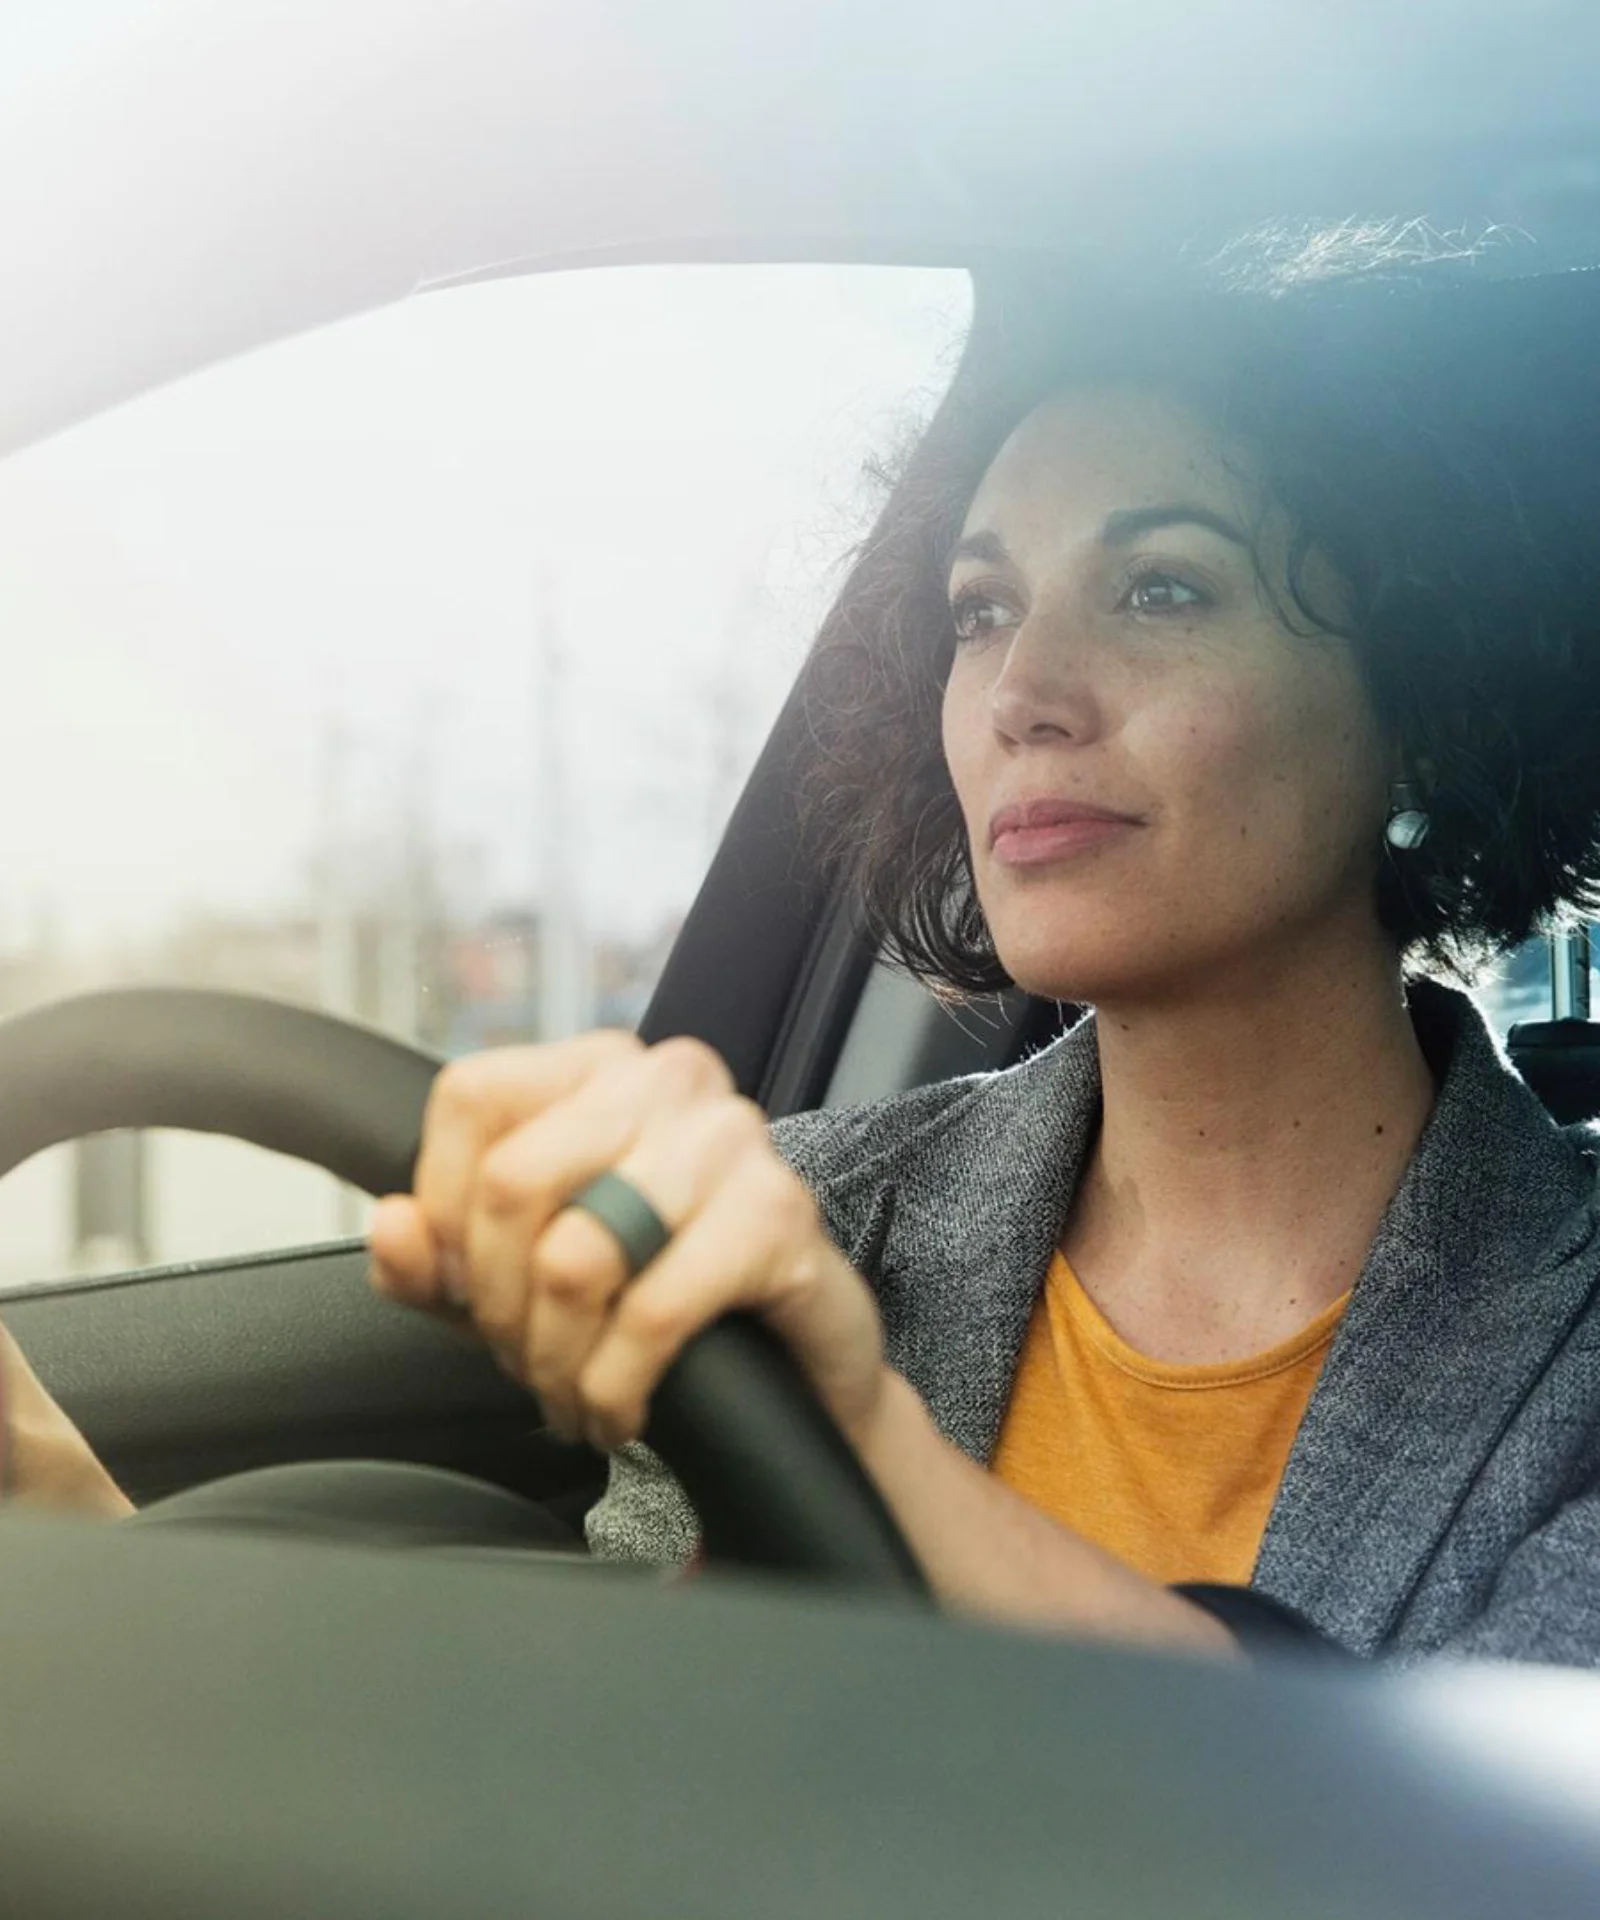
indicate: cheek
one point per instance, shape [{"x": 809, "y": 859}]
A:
[
  {"x": 1202, "y": 753},
  {"x": 1280, "y": 767}
]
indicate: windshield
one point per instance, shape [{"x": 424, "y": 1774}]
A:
[{"x": 411, "y": 669}]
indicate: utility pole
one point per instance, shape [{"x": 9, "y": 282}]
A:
[{"x": 566, "y": 986}]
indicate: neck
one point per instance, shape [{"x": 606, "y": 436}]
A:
[{"x": 1250, "y": 1141}]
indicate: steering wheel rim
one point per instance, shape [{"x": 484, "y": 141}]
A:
[{"x": 776, "y": 1485}]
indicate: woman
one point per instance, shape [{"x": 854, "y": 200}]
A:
[{"x": 1224, "y": 663}]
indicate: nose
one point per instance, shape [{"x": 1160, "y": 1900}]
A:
[{"x": 1043, "y": 690}]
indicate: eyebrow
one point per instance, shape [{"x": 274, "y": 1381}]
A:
[
  {"x": 988, "y": 547},
  {"x": 1120, "y": 529},
  {"x": 1128, "y": 523}
]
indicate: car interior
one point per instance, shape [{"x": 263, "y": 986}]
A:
[{"x": 235, "y": 1714}]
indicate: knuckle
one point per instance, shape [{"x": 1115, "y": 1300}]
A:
[
  {"x": 731, "y": 1129},
  {"x": 744, "y": 1121},
  {"x": 607, "y": 1044},
  {"x": 505, "y": 1184},
  {"x": 563, "y": 1276},
  {"x": 656, "y": 1323},
  {"x": 691, "y": 1060},
  {"x": 456, "y": 1091}
]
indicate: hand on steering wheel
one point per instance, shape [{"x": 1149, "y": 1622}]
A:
[
  {"x": 774, "y": 1483},
  {"x": 510, "y": 1140}
]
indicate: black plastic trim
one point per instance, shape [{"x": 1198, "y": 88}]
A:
[
  {"x": 741, "y": 954},
  {"x": 86, "y": 1283},
  {"x": 821, "y": 1009}
]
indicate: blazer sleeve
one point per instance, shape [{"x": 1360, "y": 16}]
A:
[{"x": 644, "y": 1516}]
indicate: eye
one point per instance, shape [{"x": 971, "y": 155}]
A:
[
  {"x": 1158, "y": 593},
  {"x": 977, "y": 614}
]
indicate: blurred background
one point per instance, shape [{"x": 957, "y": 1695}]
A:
[{"x": 411, "y": 669}]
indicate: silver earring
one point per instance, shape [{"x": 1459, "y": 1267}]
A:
[{"x": 1408, "y": 821}]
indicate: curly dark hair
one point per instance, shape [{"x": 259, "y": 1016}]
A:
[{"x": 1432, "y": 431}]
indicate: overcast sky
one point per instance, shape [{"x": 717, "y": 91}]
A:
[{"x": 364, "y": 525}]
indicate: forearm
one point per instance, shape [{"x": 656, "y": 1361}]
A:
[{"x": 987, "y": 1551}]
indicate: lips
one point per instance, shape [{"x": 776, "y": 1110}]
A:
[
  {"x": 1031, "y": 816},
  {"x": 1049, "y": 833}
]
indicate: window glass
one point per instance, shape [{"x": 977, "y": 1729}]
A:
[
  {"x": 1518, "y": 987},
  {"x": 411, "y": 668}
]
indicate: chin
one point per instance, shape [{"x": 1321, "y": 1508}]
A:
[
  {"x": 1082, "y": 978},
  {"x": 1085, "y": 970},
  {"x": 1075, "y": 938}
]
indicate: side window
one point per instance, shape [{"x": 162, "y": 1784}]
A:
[
  {"x": 410, "y": 669},
  {"x": 1519, "y": 988},
  {"x": 1544, "y": 979}
]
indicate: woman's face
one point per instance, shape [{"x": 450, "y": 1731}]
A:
[{"x": 1166, "y": 790}]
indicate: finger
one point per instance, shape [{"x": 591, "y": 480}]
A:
[
  {"x": 529, "y": 1176},
  {"x": 579, "y": 1267},
  {"x": 756, "y": 1238},
  {"x": 405, "y": 1259},
  {"x": 475, "y": 1101}
]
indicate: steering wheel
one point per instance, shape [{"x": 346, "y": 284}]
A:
[{"x": 774, "y": 1482}]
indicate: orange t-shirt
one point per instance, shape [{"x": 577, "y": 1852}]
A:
[{"x": 1173, "y": 1469}]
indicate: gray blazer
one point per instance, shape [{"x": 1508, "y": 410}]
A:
[{"x": 1443, "y": 1493}]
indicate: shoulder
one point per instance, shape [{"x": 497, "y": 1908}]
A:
[
  {"x": 941, "y": 1138},
  {"x": 878, "y": 1137},
  {"x": 830, "y": 1143},
  {"x": 1489, "y": 1136},
  {"x": 850, "y": 1156}
]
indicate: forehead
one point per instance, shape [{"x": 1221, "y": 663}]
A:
[{"x": 1085, "y": 453}]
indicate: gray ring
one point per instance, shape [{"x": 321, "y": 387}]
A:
[{"x": 624, "y": 1212}]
